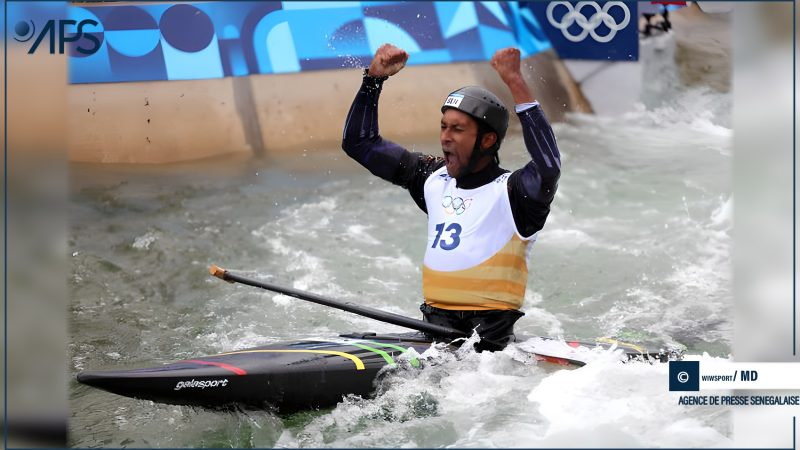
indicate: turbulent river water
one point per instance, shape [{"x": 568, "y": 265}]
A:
[{"x": 638, "y": 246}]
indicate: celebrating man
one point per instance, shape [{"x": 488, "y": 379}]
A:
[{"x": 482, "y": 219}]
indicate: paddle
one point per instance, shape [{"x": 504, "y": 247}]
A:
[{"x": 372, "y": 313}]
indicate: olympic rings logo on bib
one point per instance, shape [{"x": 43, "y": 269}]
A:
[
  {"x": 455, "y": 205},
  {"x": 589, "y": 26}
]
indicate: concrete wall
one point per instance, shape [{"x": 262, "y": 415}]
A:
[
  {"x": 272, "y": 115},
  {"x": 703, "y": 53},
  {"x": 154, "y": 122}
]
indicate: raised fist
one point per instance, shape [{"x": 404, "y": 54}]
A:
[
  {"x": 388, "y": 60},
  {"x": 506, "y": 62}
]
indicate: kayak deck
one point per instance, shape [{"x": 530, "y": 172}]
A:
[{"x": 300, "y": 375}]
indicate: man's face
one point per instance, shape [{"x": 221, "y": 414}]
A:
[{"x": 458, "y": 135}]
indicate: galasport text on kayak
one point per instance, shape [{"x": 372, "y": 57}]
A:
[{"x": 201, "y": 384}]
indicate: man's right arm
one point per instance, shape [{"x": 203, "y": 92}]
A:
[{"x": 362, "y": 141}]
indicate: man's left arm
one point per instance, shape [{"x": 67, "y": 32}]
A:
[{"x": 532, "y": 188}]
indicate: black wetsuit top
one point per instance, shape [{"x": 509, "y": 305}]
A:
[{"x": 530, "y": 189}]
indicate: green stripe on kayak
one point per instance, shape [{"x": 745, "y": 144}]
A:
[
  {"x": 414, "y": 362},
  {"x": 386, "y": 356}
]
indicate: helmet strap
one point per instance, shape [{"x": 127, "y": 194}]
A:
[{"x": 478, "y": 153}]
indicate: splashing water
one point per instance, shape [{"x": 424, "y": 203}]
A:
[{"x": 637, "y": 246}]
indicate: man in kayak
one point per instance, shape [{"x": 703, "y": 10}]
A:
[{"x": 482, "y": 219}]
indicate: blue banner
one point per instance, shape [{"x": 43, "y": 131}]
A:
[
  {"x": 220, "y": 39},
  {"x": 589, "y": 30}
]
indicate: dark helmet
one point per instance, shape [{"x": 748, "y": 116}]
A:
[{"x": 482, "y": 105}]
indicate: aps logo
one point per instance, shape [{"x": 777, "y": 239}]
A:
[{"x": 62, "y": 30}]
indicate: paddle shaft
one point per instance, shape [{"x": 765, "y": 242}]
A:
[{"x": 372, "y": 313}]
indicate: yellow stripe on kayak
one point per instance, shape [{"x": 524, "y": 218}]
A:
[
  {"x": 607, "y": 340},
  {"x": 359, "y": 364}
]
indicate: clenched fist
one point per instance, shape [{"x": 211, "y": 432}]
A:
[
  {"x": 506, "y": 62},
  {"x": 388, "y": 60}
]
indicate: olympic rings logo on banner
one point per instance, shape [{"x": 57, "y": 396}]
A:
[
  {"x": 589, "y": 26},
  {"x": 455, "y": 205}
]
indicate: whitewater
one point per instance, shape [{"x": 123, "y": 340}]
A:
[{"x": 637, "y": 247}]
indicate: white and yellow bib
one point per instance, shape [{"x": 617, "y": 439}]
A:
[{"x": 475, "y": 258}]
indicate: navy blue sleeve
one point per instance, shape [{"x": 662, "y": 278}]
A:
[
  {"x": 362, "y": 141},
  {"x": 532, "y": 188}
]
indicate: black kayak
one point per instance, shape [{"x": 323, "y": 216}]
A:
[{"x": 301, "y": 375}]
